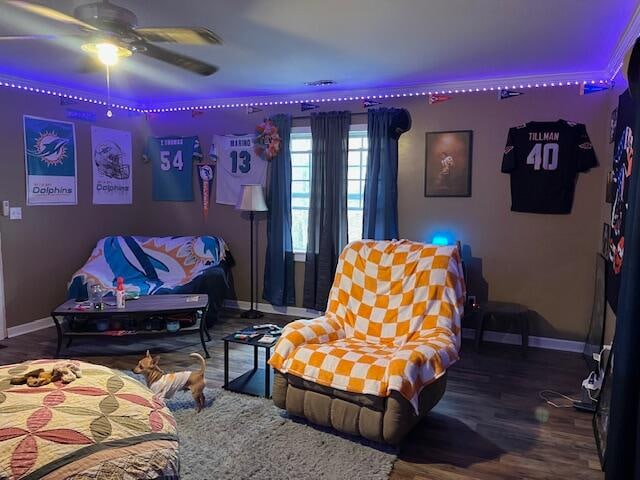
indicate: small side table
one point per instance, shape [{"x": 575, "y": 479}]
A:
[
  {"x": 256, "y": 381},
  {"x": 518, "y": 312}
]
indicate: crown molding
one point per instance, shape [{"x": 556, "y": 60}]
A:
[
  {"x": 625, "y": 42},
  {"x": 42, "y": 88},
  {"x": 443, "y": 88}
]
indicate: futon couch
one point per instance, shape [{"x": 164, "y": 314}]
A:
[
  {"x": 159, "y": 265},
  {"x": 377, "y": 361}
]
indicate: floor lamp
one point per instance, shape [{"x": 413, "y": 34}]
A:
[{"x": 252, "y": 201}]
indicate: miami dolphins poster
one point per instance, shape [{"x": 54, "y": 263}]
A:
[
  {"x": 50, "y": 162},
  {"x": 112, "y": 168}
]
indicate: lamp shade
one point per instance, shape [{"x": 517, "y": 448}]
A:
[{"x": 252, "y": 199}]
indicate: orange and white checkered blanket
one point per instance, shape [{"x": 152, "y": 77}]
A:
[{"x": 392, "y": 321}]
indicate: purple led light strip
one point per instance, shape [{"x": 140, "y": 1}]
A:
[
  {"x": 56, "y": 93},
  {"x": 380, "y": 96},
  {"x": 375, "y": 96}
]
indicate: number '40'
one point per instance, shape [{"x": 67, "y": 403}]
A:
[{"x": 545, "y": 155}]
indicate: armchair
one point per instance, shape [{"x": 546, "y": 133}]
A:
[{"x": 376, "y": 362}]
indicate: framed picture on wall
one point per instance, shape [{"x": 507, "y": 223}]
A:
[
  {"x": 447, "y": 170},
  {"x": 613, "y": 123}
]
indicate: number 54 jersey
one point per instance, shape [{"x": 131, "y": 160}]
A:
[
  {"x": 172, "y": 167},
  {"x": 544, "y": 159},
  {"x": 238, "y": 164}
]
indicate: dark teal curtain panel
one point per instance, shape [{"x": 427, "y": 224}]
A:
[
  {"x": 328, "y": 205},
  {"x": 385, "y": 125},
  {"x": 622, "y": 454},
  {"x": 279, "y": 268}
]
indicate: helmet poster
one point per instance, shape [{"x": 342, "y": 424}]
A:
[{"x": 112, "y": 168}]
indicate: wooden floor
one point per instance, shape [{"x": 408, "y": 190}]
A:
[{"x": 491, "y": 424}]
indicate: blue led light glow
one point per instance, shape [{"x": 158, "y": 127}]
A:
[{"x": 440, "y": 240}]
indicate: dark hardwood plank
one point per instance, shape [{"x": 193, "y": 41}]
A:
[{"x": 490, "y": 425}]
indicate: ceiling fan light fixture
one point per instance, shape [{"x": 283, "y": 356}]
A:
[{"x": 108, "y": 53}]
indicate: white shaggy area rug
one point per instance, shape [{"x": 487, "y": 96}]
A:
[{"x": 242, "y": 437}]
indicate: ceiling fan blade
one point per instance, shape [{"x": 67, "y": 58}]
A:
[
  {"x": 177, "y": 59},
  {"x": 50, "y": 13},
  {"x": 186, "y": 35},
  {"x": 11, "y": 38}
]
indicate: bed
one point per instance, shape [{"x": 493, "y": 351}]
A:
[{"x": 102, "y": 425}]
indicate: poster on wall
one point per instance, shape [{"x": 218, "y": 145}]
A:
[
  {"x": 50, "y": 161},
  {"x": 448, "y": 164},
  {"x": 240, "y": 160},
  {"x": 112, "y": 167},
  {"x": 622, "y": 166}
]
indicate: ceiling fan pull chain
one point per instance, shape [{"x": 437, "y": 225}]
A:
[{"x": 109, "y": 112}]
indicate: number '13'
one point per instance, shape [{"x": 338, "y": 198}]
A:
[{"x": 245, "y": 159}]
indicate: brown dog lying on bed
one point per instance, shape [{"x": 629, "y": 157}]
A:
[
  {"x": 66, "y": 372},
  {"x": 166, "y": 385}
]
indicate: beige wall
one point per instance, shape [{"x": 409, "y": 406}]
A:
[
  {"x": 42, "y": 251},
  {"x": 543, "y": 261}
]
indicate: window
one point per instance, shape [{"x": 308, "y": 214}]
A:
[{"x": 301, "y": 185}]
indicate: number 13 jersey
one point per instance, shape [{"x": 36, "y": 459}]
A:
[
  {"x": 238, "y": 165},
  {"x": 544, "y": 159}
]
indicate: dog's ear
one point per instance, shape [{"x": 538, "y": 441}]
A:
[{"x": 156, "y": 360}]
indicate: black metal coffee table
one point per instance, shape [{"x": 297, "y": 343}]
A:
[
  {"x": 195, "y": 305},
  {"x": 256, "y": 381}
]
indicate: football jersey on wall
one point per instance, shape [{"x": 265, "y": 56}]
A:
[
  {"x": 172, "y": 167},
  {"x": 238, "y": 165},
  {"x": 543, "y": 159}
]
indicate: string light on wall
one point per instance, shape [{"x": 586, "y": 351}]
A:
[
  {"x": 289, "y": 101},
  {"x": 70, "y": 96},
  {"x": 377, "y": 96}
]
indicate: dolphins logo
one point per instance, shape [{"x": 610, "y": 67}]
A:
[{"x": 50, "y": 148}]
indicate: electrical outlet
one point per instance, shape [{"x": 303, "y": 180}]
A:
[
  {"x": 15, "y": 213},
  {"x": 5, "y": 208}
]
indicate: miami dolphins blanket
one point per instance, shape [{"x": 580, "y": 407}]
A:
[{"x": 149, "y": 265}]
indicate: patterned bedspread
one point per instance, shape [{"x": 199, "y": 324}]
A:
[
  {"x": 149, "y": 264},
  {"x": 103, "y": 425},
  {"x": 392, "y": 321}
]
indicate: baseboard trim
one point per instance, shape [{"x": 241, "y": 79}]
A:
[
  {"x": 489, "y": 335},
  {"x": 534, "y": 341},
  {"x": 268, "y": 308},
  {"x": 30, "y": 327}
]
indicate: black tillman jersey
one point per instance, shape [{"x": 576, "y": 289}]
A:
[{"x": 544, "y": 159}]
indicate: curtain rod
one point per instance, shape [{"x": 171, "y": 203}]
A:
[{"x": 304, "y": 117}]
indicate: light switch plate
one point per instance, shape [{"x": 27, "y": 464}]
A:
[
  {"x": 5, "y": 208},
  {"x": 15, "y": 213}
]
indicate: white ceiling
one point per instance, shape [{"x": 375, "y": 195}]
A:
[{"x": 274, "y": 46}]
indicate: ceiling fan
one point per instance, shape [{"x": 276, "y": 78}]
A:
[{"x": 112, "y": 32}]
